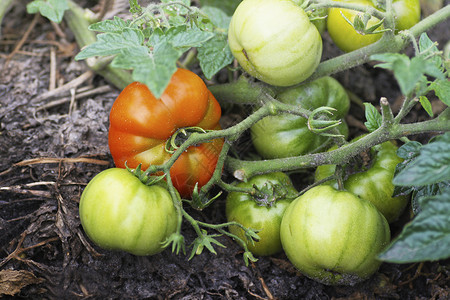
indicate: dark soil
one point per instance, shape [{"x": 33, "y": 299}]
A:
[{"x": 53, "y": 143}]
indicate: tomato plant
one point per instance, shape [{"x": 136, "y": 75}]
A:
[
  {"x": 141, "y": 125},
  {"x": 262, "y": 211},
  {"x": 286, "y": 135},
  {"x": 333, "y": 236},
  {"x": 119, "y": 212},
  {"x": 374, "y": 181},
  {"x": 274, "y": 41}
]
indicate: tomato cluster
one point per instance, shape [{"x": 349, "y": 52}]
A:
[
  {"x": 330, "y": 233},
  {"x": 117, "y": 210}
]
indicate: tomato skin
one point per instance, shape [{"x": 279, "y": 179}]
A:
[
  {"x": 244, "y": 209},
  {"x": 287, "y": 135},
  {"x": 140, "y": 124},
  {"x": 274, "y": 41},
  {"x": 374, "y": 184},
  {"x": 119, "y": 212},
  {"x": 406, "y": 15},
  {"x": 333, "y": 236},
  {"x": 343, "y": 34}
]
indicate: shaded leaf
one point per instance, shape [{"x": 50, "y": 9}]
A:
[{"x": 427, "y": 237}]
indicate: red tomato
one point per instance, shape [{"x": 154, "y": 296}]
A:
[{"x": 140, "y": 125}]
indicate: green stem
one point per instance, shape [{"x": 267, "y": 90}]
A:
[
  {"x": 241, "y": 91},
  {"x": 245, "y": 169},
  {"x": 352, "y": 6},
  {"x": 78, "y": 24}
]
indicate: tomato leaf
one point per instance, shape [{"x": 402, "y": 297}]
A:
[
  {"x": 51, "y": 9},
  {"x": 432, "y": 165},
  {"x": 442, "y": 90},
  {"x": 408, "y": 72},
  {"x": 428, "y": 48},
  {"x": 373, "y": 117},
  {"x": 214, "y": 55},
  {"x": 117, "y": 25},
  {"x": 217, "y": 16},
  {"x": 426, "y": 104},
  {"x": 182, "y": 37},
  {"x": 427, "y": 237},
  {"x": 112, "y": 43}
]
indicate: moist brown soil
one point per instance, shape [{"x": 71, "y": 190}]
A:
[{"x": 54, "y": 140}]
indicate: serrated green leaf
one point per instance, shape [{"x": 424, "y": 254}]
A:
[
  {"x": 117, "y": 25},
  {"x": 373, "y": 117},
  {"x": 51, "y": 9},
  {"x": 130, "y": 58},
  {"x": 157, "y": 70},
  {"x": 112, "y": 43},
  {"x": 427, "y": 191},
  {"x": 428, "y": 48},
  {"x": 442, "y": 90},
  {"x": 217, "y": 16},
  {"x": 183, "y": 37},
  {"x": 427, "y": 237},
  {"x": 214, "y": 55},
  {"x": 409, "y": 150},
  {"x": 431, "y": 166},
  {"x": 408, "y": 72},
  {"x": 426, "y": 104}
]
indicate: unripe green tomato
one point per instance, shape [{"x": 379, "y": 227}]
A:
[
  {"x": 343, "y": 34},
  {"x": 274, "y": 41},
  {"x": 287, "y": 135},
  {"x": 261, "y": 214},
  {"x": 407, "y": 13},
  {"x": 333, "y": 236},
  {"x": 119, "y": 212},
  {"x": 375, "y": 182}
]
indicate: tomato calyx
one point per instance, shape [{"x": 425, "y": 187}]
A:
[
  {"x": 320, "y": 123},
  {"x": 145, "y": 177},
  {"x": 199, "y": 200},
  {"x": 269, "y": 193},
  {"x": 179, "y": 137}
]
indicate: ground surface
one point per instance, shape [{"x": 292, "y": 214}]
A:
[{"x": 51, "y": 145}]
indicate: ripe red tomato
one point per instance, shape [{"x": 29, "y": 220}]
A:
[{"x": 140, "y": 125}]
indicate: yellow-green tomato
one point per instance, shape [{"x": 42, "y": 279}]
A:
[
  {"x": 333, "y": 236},
  {"x": 343, "y": 34},
  {"x": 374, "y": 183},
  {"x": 406, "y": 13},
  {"x": 119, "y": 212},
  {"x": 263, "y": 213},
  {"x": 274, "y": 41}
]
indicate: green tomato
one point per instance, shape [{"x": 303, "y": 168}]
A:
[
  {"x": 334, "y": 236},
  {"x": 119, "y": 212},
  {"x": 343, "y": 34},
  {"x": 375, "y": 182},
  {"x": 287, "y": 135},
  {"x": 263, "y": 214},
  {"x": 407, "y": 13},
  {"x": 274, "y": 41}
]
